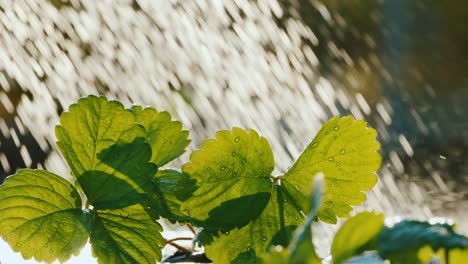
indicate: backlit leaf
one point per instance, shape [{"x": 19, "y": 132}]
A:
[
  {"x": 166, "y": 137},
  {"x": 106, "y": 151},
  {"x": 232, "y": 173},
  {"x": 246, "y": 245},
  {"x": 345, "y": 151},
  {"x": 41, "y": 216},
  {"x": 126, "y": 235},
  {"x": 171, "y": 188},
  {"x": 302, "y": 247},
  {"x": 354, "y": 235}
]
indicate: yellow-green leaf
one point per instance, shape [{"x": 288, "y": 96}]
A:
[
  {"x": 232, "y": 173},
  {"x": 354, "y": 235},
  {"x": 126, "y": 235},
  {"x": 106, "y": 151},
  {"x": 41, "y": 216},
  {"x": 345, "y": 151},
  {"x": 166, "y": 137},
  {"x": 274, "y": 227}
]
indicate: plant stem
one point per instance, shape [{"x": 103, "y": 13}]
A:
[
  {"x": 447, "y": 256},
  {"x": 191, "y": 228},
  {"x": 177, "y": 238},
  {"x": 180, "y": 248}
]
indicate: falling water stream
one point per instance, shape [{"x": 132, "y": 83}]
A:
[{"x": 280, "y": 67}]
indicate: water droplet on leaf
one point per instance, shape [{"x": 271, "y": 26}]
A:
[
  {"x": 264, "y": 238},
  {"x": 331, "y": 159},
  {"x": 336, "y": 128},
  {"x": 223, "y": 168},
  {"x": 233, "y": 154},
  {"x": 237, "y": 139},
  {"x": 342, "y": 151},
  {"x": 314, "y": 145},
  {"x": 51, "y": 251},
  {"x": 262, "y": 154},
  {"x": 226, "y": 233},
  {"x": 46, "y": 245},
  {"x": 244, "y": 161}
]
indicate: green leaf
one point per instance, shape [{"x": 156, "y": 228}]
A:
[
  {"x": 232, "y": 173},
  {"x": 302, "y": 247},
  {"x": 106, "y": 151},
  {"x": 276, "y": 255},
  {"x": 403, "y": 242},
  {"x": 41, "y": 216},
  {"x": 127, "y": 235},
  {"x": 166, "y": 137},
  {"x": 345, "y": 151},
  {"x": 245, "y": 245},
  {"x": 171, "y": 188},
  {"x": 355, "y": 234}
]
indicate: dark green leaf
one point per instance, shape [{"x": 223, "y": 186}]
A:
[
  {"x": 41, "y": 216},
  {"x": 402, "y": 242},
  {"x": 171, "y": 188}
]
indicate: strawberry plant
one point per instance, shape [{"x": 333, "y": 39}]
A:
[{"x": 121, "y": 187}]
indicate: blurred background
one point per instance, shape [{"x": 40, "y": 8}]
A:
[{"x": 282, "y": 67}]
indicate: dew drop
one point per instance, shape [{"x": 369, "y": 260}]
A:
[
  {"x": 88, "y": 145},
  {"x": 233, "y": 154},
  {"x": 226, "y": 233},
  {"x": 209, "y": 168},
  {"x": 336, "y": 128},
  {"x": 46, "y": 245},
  {"x": 285, "y": 200},
  {"x": 342, "y": 151},
  {"x": 314, "y": 145},
  {"x": 269, "y": 224},
  {"x": 223, "y": 168},
  {"x": 296, "y": 217},
  {"x": 237, "y": 139},
  {"x": 264, "y": 238},
  {"x": 331, "y": 159},
  {"x": 262, "y": 154},
  {"x": 234, "y": 174},
  {"x": 51, "y": 251},
  {"x": 18, "y": 244},
  {"x": 243, "y": 161}
]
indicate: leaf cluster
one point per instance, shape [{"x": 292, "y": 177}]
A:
[{"x": 119, "y": 188}]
